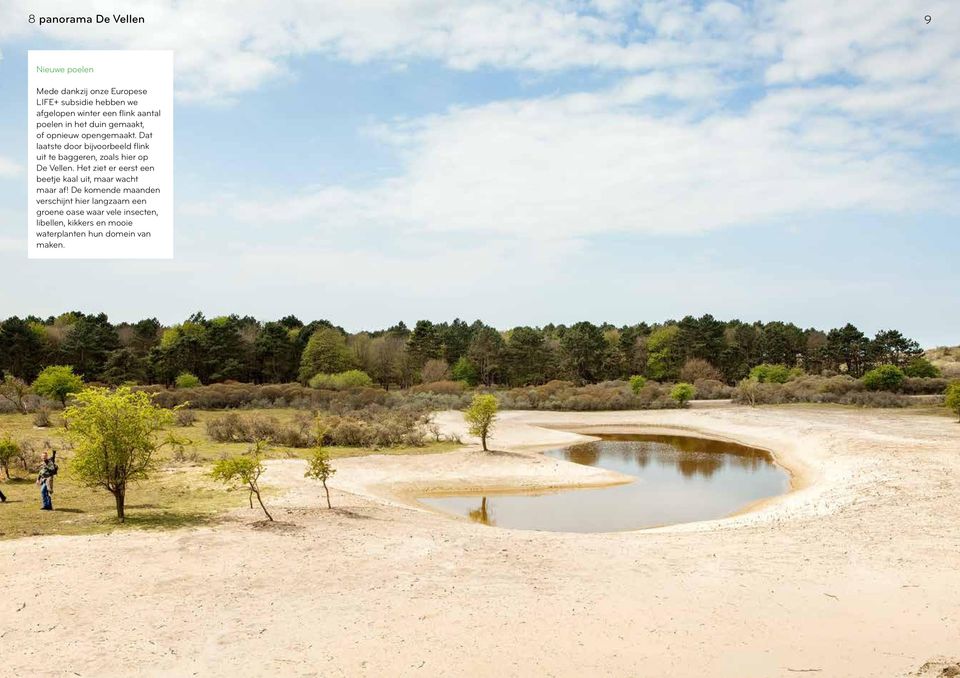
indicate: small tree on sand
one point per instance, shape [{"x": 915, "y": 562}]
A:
[
  {"x": 481, "y": 416},
  {"x": 683, "y": 393},
  {"x": 115, "y": 438},
  {"x": 245, "y": 469},
  {"x": 57, "y": 382},
  {"x": 952, "y": 398},
  {"x": 319, "y": 467}
]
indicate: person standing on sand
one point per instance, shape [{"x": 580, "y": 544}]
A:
[{"x": 45, "y": 480}]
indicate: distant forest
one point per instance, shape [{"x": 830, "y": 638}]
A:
[{"x": 235, "y": 348}]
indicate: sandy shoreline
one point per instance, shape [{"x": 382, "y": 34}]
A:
[{"x": 855, "y": 572}]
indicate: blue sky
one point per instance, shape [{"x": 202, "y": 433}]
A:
[{"x": 529, "y": 163}]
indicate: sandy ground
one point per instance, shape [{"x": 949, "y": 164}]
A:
[{"x": 856, "y": 573}]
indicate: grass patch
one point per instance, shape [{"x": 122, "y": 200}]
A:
[
  {"x": 173, "y": 498},
  {"x": 180, "y": 494}
]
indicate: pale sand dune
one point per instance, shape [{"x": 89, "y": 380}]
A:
[{"x": 856, "y": 573}]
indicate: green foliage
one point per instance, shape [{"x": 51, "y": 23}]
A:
[
  {"x": 243, "y": 349},
  {"x": 683, "y": 393},
  {"x": 9, "y": 450},
  {"x": 583, "y": 351},
  {"x": 663, "y": 354},
  {"x": 486, "y": 353},
  {"x": 57, "y": 382},
  {"x": 464, "y": 370},
  {"x": 242, "y": 469},
  {"x": 952, "y": 398},
  {"x": 114, "y": 438},
  {"x": 341, "y": 381},
  {"x": 326, "y": 352},
  {"x": 245, "y": 470},
  {"x": 884, "y": 378},
  {"x": 767, "y": 373},
  {"x": 187, "y": 380},
  {"x": 480, "y": 416},
  {"x": 319, "y": 466},
  {"x": 922, "y": 368},
  {"x": 637, "y": 383}
]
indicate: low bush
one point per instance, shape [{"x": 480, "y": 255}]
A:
[
  {"x": 236, "y": 396},
  {"x": 386, "y": 429},
  {"x": 236, "y": 428},
  {"x": 922, "y": 368},
  {"x": 841, "y": 389},
  {"x": 711, "y": 389},
  {"x": 884, "y": 378},
  {"x": 696, "y": 369},
  {"x": 341, "y": 381},
  {"x": 445, "y": 387},
  {"x": 775, "y": 373},
  {"x": 186, "y": 380},
  {"x": 42, "y": 418},
  {"x": 608, "y": 395},
  {"x": 373, "y": 427},
  {"x": 683, "y": 393},
  {"x": 924, "y": 386}
]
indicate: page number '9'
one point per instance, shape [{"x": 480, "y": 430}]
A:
[{"x": 928, "y": 18}]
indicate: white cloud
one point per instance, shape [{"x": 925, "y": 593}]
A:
[
  {"x": 586, "y": 164},
  {"x": 845, "y": 98},
  {"x": 9, "y": 168},
  {"x": 224, "y": 49}
]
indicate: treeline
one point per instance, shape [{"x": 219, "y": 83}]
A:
[{"x": 243, "y": 349}]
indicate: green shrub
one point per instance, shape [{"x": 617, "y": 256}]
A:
[
  {"x": 951, "y": 398},
  {"x": 637, "y": 383},
  {"x": 464, "y": 370},
  {"x": 186, "y": 380},
  {"x": 57, "y": 382},
  {"x": 768, "y": 373},
  {"x": 884, "y": 378},
  {"x": 341, "y": 381},
  {"x": 922, "y": 368},
  {"x": 683, "y": 393}
]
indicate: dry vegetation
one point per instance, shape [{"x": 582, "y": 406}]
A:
[{"x": 947, "y": 360}]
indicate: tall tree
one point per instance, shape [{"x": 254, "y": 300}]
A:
[
  {"x": 21, "y": 349},
  {"x": 664, "y": 357},
  {"x": 890, "y": 347},
  {"x": 276, "y": 353},
  {"x": 326, "y": 352},
  {"x": 848, "y": 349},
  {"x": 526, "y": 357},
  {"x": 88, "y": 343},
  {"x": 485, "y": 352},
  {"x": 424, "y": 343},
  {"x": 583, "y": 349}
]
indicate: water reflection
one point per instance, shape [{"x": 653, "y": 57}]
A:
[
  {"x": 678, "y": 479},
  {"x": 481, "y": 515}
]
